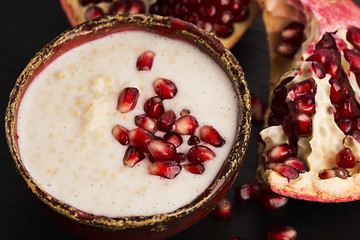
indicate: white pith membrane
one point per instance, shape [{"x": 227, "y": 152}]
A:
[{"x": 319, "y": 149}]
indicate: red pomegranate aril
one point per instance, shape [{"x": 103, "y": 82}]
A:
[
  {"x": 127, "y": 99},
  {"x": 165, "y": 88},
  {"x": 286, "y": 49},
  {"x": 210, "y": 135},
  {"x": 272, "y": 201},
  {"x": 282, "y": 233},
  {"x": 93, "y": 12},
  {"x": 121, "y": 134},
  {"x": 226, "y": 18},
  {"x": 140, "y": 137},
  {"x": 132, "y": 156},
  {"x": 298, "y": 163},
  {"x": 338, "y": 91},
  {"x": 334, "y": 69},
  {"x": 356, "y": 124},
  {"x": 280, "y": 152},
  {"x": 135, "y": 6},
  {"x": 166, "y": 169},
  {"x": 180, "y": 157},
  {"x": 349, "y": 108},
  {"x": 353, "y": 36},
  {"x": 186, "y": 125},
  {"x": 305, "y": 104},
  {"x": 345, "y": 125},
  {"x": 193, "y": 140},
  {"x": 258, "y": 107},
  {"x": 354, "y": 60},
  {"x": 173, "y": 138},
  {"x": 146, "y": 123},
  {"x": 145, "y": 61},
  {"x": 118, "y": 7},
  {"x": 247, "y": 191},
  {"x": 345, "y": 159},
  {"x": 323, "y": 56},
  {"x": 356, "y": 135},
  {"x": 327, "y": 174},
  {"x": 200, "y": 153},
  {"x": 327, "y": 42},
  {"x": 282, "y": 169},
  {"x": 302, "y": 88},
  {"x": 194, "y": 168},
  {"x": 292, "y": 32},
  {"x": 166, "y": 121},
  {"x": 161, "y": 150},
  {"x": 318, "y": 69},
  {"x": 303, "y": 125},
  {"x": 154, "y": 107},
  {"x": 223, "y": 31},
  {"x": 223, "y": 210},
  {"x": 242, "y": 14}
]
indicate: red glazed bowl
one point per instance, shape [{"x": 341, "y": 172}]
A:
[{"x": 157, "y": 226}]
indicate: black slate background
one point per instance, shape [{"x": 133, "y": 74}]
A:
[{"x": 27, "y": 26}]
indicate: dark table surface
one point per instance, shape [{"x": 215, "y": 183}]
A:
[{"x": 27, "y": 26}]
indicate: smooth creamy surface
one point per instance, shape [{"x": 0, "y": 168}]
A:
[{"x": 67, "y": 114}]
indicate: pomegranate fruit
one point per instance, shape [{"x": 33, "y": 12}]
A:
[
  {"x": 310, "y": 146},
  {"x": 228, "y": 19}
]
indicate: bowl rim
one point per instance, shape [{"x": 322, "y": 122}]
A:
[{"x": 104, "y": 26}]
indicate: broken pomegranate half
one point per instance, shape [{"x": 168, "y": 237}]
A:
[
  {"x": 227, "y": 19},
  {"x": 311, "y": 146}
]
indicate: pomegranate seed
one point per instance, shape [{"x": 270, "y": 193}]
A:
[
  {"x": 354, "y": 60},
  {"x": 334, "y": 69},
  {"x": 305, "y": 104},
  {"x": 278, "y": 104},
  {"x": 280, "y": 153},
  {"x": 166, "y": 169},
  {"x": 195, "y": 168},
  {"x": 303, "y": 125},
  {"x": 200, "y": 153},
  {"x": 223, "y": 210},
  {"x": 282, "y": 169},
  {"x": 349, "y": 108},
  {"x": 272, "y": 201},
  {"x": 223, "y": 31},
  {"x": 118, "y": 7},
  {"x": 132, "y": 156},
  {"x": 186, "y": 125},
  {"x": 345, "y": 125},
  {"x": 140, "y": 137},
  {"x": 93, "y": 12},
  {"x": 121, "y": 134},
  {"x": 135, "y": 6},
  {"x": 145, "y": 61},
  {"x": 292, "y": 33},
  {"x": 210, "y": 135},
  {"x": 146, "y": 123},
  {"x": 247, "y": 191},
  {"x": 173, "y": 138},
  {"x": 299, "y": 89},
  {"x": 161, "y": 150},
  {"x": 164, "y": 88},
  {"x": 318, "y": 69},
  {"x": 127, "y": 99},
  {"x": 327, "y": 42},
  {"x": 180, "y": 157},
  {"x": 258, "y": 108},
  {"x": 282, "y": 233},
  {"x": 286, "y": 49},
  {"x": 298, "y": 163},
  {"x": 166, "y": 121},
  {"x": 356, "y": 124},
  {"x": 356, "y": 135},
  {"x": 154, "y": 107},
  {"x": 345, "y": 158},
  {"x": 338, "y": 91},
  {"x": 193, "y": 140},
  {"x": 326, "y": 174},
  {"x": 323, "y": 56},
  {"x": 353, "y": 36}
]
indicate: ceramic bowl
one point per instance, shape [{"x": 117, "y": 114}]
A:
[{"x": 158, "y": 226}]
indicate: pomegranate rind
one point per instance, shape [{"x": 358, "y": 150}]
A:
[
  {"x": 75, "y": 14},
  {"x": 319, "y": 17}
]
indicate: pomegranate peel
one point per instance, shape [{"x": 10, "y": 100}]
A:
[
  {"x": 229, "y": 28},
  {"x": 314, "y": 101}
]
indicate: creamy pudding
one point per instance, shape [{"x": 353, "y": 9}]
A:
[{"x": 67, "y": 113}]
